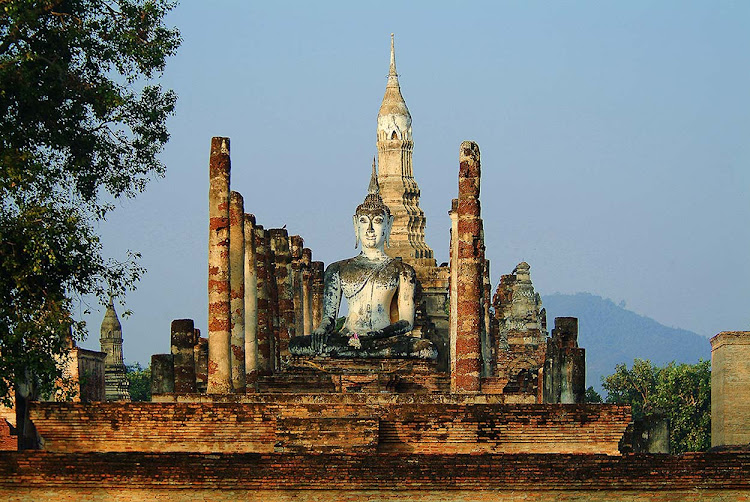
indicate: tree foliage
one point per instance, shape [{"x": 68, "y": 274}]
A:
[
  {"x": 682, "y": 392},
  {"x": 140, "y": 382},
  {"x": 81, "y": 125},
  {"x": 592, "y": 396}
]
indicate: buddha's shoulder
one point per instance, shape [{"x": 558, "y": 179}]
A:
[
  {"x": 357, "y": 262},
  {"x": 342, "y": 265},
  {"x": 403, "y": 268},
  {"x": 338, "y": 265}
]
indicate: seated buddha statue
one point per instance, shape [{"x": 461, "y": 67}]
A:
[{"x": 371, "y": 282}]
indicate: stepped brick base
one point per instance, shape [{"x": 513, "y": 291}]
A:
[
  {"x": 345, "y": 423},
  {"x": 318, "y": 374}
]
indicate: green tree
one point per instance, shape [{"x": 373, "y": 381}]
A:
[
  {"x": 81, "y": 125},
  {"x": 592, "y": 396},
  {"x": 140, "y": 382},
  {"x": 681, "y": 391}
]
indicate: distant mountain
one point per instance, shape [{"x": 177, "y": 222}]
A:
[{"x": 612, "y": 335}]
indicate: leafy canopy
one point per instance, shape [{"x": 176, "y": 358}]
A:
[
  {"x": 592, "y": 396},
  {"x": 140, "y": 382},
  {"x": 81, "y": 124},
  {"x": 682, "y": 392}
]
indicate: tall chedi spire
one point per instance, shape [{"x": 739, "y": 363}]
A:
[
  {"x": 115, "y": 381},
  {"x": 397, "y": 185}
]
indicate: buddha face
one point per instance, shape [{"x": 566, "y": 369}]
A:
[{"x": 372, "y": 228}]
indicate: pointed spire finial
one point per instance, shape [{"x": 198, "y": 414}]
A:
[
  {"x": 392, "y": 70},
  {"x": 373, "y": 201},
  {"x": 374, "y": 187}
]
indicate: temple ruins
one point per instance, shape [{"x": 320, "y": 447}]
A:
[{"x": 437, "y": 386}]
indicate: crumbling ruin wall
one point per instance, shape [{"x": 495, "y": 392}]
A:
[{"x": 519, "y": 334}]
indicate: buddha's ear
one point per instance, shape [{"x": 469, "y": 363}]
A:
[
  {"x": 389, "y": 219},
  {"x": 356, "y": 231}
]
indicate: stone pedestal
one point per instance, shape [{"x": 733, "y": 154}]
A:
[{"x": 323, "y": 375}]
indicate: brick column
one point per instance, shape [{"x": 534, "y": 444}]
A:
[
  {"x": 486, "y": 324},
  {"x": 730, "y": 388},
  {"x": 564, "y": 377},
  {"x": 162, "y": 374},
  {"x": 453, "y": 286},
  {"x": 296, "y": 245},
  {"x": 470, "y": 263},
  {"x": 237, "y": 288},
  {"x": 183, "y": 341},
  {"x": 273, "y": 304},
  {"x": 201, "y": 362},
  {"x": 284, "y": 290},
  {"x": 573, "y": 365},
  {"x": 307, "y": 317},
  {"x": 317, "y": 271},
  {"x": 265, "y": 326},
  {"x": 219, "y": 334},
  {"x": 251, "y": 304}
]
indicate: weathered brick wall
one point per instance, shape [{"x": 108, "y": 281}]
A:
[
  {"x": 57, "y": 494},
  {"x": 151, "y": 427},
  {"x": 8, "y": 441},
  {"x": 43, "y": 476},
  {"x": 316, "y": 423},
  {"x": 434, "y": 429}
]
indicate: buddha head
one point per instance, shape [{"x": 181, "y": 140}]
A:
[{"x": 372, "y": 219}]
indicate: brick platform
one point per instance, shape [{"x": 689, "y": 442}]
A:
[
  {"x": 319, "y": 423},
  {"x": 44, "y": 476},
  {"x": 319, "y": 374}
]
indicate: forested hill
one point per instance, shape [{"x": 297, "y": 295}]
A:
[{"x": 612, "y": 335}]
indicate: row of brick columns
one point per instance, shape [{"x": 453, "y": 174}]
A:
[{"x": 263, "y": 288}]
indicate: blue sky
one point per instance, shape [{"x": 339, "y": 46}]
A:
[{"x": 614, "y": 140}]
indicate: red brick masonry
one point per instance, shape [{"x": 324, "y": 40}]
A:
[
  {"x": 275, "y": 471},
  {"x": 340, "y": 423}
]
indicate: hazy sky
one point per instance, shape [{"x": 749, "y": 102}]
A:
[{"x": 614, "y": 141}]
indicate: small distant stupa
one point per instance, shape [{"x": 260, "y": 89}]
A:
[{"x": 115, "y": 380}]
